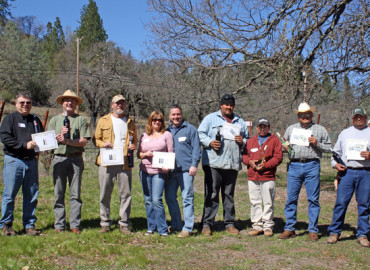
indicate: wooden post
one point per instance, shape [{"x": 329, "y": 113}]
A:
[
  {"x": 1, "y": 109},
  {"x": 45, "y": 119},
  {"x": 250, "y": 127},
  {"x": 318, "y": 119}
]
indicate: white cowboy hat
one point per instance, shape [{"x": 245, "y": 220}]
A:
[
  {"x": 69, "y": 94},
  {"x": 304, "y": 107}
]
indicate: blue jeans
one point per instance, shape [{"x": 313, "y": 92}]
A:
[
  {"x": 19, "y": 173},
  {"x": 309, "y": 174},
  {"x": 185, "y": 182},
  {"x": 358, "y": 182},
  {"x": 153, "y": 185}
]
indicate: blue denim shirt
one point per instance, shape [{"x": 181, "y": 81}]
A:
[
  {"x": 187, "y": 146},
  {"x": 229, "y": 157}
]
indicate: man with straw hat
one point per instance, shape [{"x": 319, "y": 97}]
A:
[
  {"x": 68, "y": 163},
  {"x": 309, "y": 141}
]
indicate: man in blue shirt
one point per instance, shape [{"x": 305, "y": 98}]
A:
[
  {"x": 187, "y": 151},
  {"x": 221, "y": 161}
]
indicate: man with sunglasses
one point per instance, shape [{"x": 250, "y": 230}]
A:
[
  {"x": 221, "y": 162},
  {"x": 115, "y": 130},
  {"x": 20, "y": 165},
  {"x": 68, "y": 163},
  {"x": 355, "y": 179},
  {"x": 304, "y": 167}
]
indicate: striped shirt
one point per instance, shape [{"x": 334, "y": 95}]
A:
[{"x": 310, "y": 152}]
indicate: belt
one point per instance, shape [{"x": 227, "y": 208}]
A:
[
  {"x": 359, "y": 168},
  {"x": 78, "y": 154},
  {"x": 304, "y": 160},
  {"x": 26, "y": 158}
]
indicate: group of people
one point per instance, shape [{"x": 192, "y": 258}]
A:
[{"x": 224, "y": 139}]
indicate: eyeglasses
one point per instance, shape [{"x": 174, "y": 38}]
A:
[
  {"x": 24, "y": 102},
  {"x": 304, "y": 115},
  {"x": 157, "y": 120}
]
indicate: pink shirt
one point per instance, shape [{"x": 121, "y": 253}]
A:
[{"x": 164, "y": 143}]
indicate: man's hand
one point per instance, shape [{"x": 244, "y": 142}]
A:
[
  {"x": 340, "y": 167},
  {"x": 239, "y": 139},
  {"x": 64, "y": 130},
  {"x": 312, "y": 140},
  {"x": 31, "y": 145},
  {"x": 215, "y": 145},
  {"x": 252, "y": 163},
  {"x": 365, "y": 154},
  {"x": 192, "y": 171},
  {"x": 108, "y": 145},
  {"x": 261, "y": 167},
  {"x": 60, "y": 138}
]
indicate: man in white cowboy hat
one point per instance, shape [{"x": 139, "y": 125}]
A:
[
  {"x": 68, "y": 163},
  {"x": 116, "y": 130},
  {"x": 309, "y": 141},
  {"x": 355, "y": 179}
]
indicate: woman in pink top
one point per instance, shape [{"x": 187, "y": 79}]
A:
[{"x": 152, "y": 179}]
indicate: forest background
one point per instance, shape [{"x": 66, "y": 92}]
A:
[{"x": 271, "y": 55}]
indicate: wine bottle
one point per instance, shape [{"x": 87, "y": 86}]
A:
[
  {"x": 286, "y": 145},
  {"x": 130, "y": 155},
  {"x": 337, "y": 157},
  {"x": 36, "y": 124},
  {"x": 66, "y": 124},
  {"x": 218, "y": 138}
]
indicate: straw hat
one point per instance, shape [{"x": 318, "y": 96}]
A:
[
  {"x": 304, "y": 107},
  {"x": 69, "y": 94}
]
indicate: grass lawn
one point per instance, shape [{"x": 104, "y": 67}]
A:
[{"x": 91, "y": 250}]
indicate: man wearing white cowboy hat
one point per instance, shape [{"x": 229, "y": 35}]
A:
[
  {"x": 309, "y": 141},
  {"x": 68, "y": 163}
]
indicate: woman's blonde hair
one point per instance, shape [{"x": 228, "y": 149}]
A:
[{"x": 149, "y": 128}]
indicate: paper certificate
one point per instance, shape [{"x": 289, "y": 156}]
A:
[
  {"x": 354, "y": 148},
  {"x": 163, "y": 160},
  {"x": 229, "y": 131},
  {"x": 45, "y": 141},
  {"x": 300, "y": 136},
  {"x": 111, "y": 156}
]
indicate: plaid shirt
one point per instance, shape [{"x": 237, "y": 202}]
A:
[{"x": 310, "y": 152}]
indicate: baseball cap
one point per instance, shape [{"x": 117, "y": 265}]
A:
[
  {"x": 117, "y": 98},
  {"x": 227, "y": 99},
  {"x": 263, "y": 121},
  {"x": 360, "y": 111}
]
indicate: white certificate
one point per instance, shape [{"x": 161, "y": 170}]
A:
[
  {"x": 300, "y": 136},
  {"x": 229, "y": 131},
  {"x": 354, "y": 148},
  {"x": 163, "y": 160},
  {"x": 45, "y": 141},
  {"x": 111, "y": 156}
]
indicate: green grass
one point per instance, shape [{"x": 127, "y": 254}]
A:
[{"x": 92, "y": 250}]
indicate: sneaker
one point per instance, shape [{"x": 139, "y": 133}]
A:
[
  {"x": 268, "y": 232},
  {"x": 232, "y": 230},
  {"x": 104, "y": 229},
  {"x": 255, "y": 232},
  {"x": 124, "y": 230},
  {"x": 333, "y": 239},
  {"x": 206, "y": 230},
  {"x": 363, "y": 241},
  {"x": 149, "y": 233},
  {"x": 32, "y": 231},
  {"x": 184, "y": 234},
  {"x": 8, "y": 229},
  {"x": 164, "y": 234},
  {"x": 313, "y": 236},
  {"x": 287, "y": 234}
]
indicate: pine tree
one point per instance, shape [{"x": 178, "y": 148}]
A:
[{"x": 54, "y": 40}]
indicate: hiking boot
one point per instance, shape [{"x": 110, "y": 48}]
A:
[
  {"x": 268, "y": 233},
  {"x": 232, "y": 230},
  {"x": 255, "y": 232},
  {"x": 363, "y": 241},
  {"x": 59, "y": 230},
  {"x": 8, "y": 229},
  {"x": 184, "y": 234},
  {"x": 32, "y": 231},
  {"x": 104, "y": 229},
  {"x": 76, "y": 231},
  {"x": 287, "y": 234},
  {"x": 206, "y": 230},
  {"x": 313, "y": 236},
  {"x": 333, "y": 239},
  {"x": 124, "y": 230}
]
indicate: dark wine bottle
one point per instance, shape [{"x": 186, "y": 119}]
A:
[
  {"x": 66, "y": 124},
  {"x": 36, "y": 124},
  {"x": 218, "y": 138},
  {"x": 130, "y": 156},
  {"x": 337, "y": 157}
]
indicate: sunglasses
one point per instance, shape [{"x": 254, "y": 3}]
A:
[
  {"x": 24, "y": 102},
  {"x": 157, "y": 120},
  {"x": 304, "y": 115}
]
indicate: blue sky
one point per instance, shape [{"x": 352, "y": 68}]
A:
[{"x": 123, "y": 20}]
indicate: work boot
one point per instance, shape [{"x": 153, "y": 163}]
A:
[
  {"x": 206, "y": 230},
  {"x": 287, "y": 234},
  {"x": 268, "y": 232},
  {"x": 183, "y": 234},
  {"x": 313, "y": 236},
  {"x": 232, "y": 230},
  {"x": 32, "y": 231},
  {"x": 104, "y": 229},
  {"x": 8, "y": 229},
  {"x": 124, "y": 230},
  {"x": 255, "y": 232},
  {"x": 76, "y": 231},
  {"x": 333, "y": 239},
  {"x": 363, "y": 241}
]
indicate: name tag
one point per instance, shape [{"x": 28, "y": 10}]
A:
[
  {"x": 254, "y": 150},
  {"x": 182, "y": 139},
  {"x": 146, "y": 140},
  {"x": 22, "y": 125}
]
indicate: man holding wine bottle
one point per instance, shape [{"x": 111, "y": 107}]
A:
[
  {"x": 355, "y": 171},
  {"x": 20, "y": 165},
  {"x": 304, "y": 167},
  {"x": 116, "y": 130},
  {"x": 221, "y": 161},
  {"x": 73, "y": 133}
]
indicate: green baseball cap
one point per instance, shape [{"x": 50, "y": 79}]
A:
[{"x": 360, "y": 111}]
